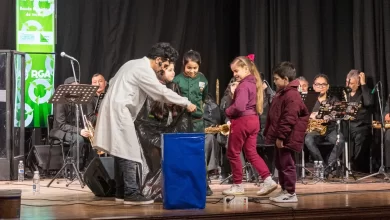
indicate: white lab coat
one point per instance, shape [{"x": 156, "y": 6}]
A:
[{"x": 115, "y": 132}]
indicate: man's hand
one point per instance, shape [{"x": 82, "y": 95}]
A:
[
  {"x": 85, "y": 133},
  {"x": 279, "y": 143},
  {"x": 387, "y": 117},
  {"x": 191, "y": 107},
  {"x": 313, "y": 115},
  {"x": 362, "y": 78}
]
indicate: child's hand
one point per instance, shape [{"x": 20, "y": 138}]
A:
[{"x": 279, "y": 143}]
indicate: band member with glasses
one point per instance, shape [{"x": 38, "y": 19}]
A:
[
  {"x": 313, "y": 138},
  {"x": 360, "y": 128}
]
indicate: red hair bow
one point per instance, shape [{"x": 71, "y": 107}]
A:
[{"x": 251, "y": 57}]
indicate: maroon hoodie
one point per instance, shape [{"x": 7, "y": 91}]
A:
[
  {"x": 287, "y": 118},
  {"x": 244, "y": 100}
]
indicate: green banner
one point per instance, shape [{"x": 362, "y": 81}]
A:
[
  {"x": 39, "y": 80},
  {"x": 35, "y": 26}
]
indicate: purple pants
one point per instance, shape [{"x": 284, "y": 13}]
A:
[
  {"x": 243, "y": 136},
  {"x": 285, "y": 164}
]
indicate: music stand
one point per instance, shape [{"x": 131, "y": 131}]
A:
[
  {"x": 310, "y": 99},
  {"x": 337, "y": 111},
  {"x": 76, "y": 94}
]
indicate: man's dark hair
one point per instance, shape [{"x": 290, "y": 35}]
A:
[
  {"x": 163, "y": 50},
  {"x": 285, "y": 69},
  {"x": 193, "y": 56}
]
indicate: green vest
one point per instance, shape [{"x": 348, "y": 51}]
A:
[{"x": 195, "y": 89}]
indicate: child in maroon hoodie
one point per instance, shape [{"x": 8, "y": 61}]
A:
[
  {"x": 285, "y": 127},
  {"x": 243, "y": 113}
]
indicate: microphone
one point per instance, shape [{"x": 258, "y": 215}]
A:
[
  {"x": 375, "y": 87},
  {"x": 63, "y": 54}
]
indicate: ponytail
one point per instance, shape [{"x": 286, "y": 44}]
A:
[{"x": 246, "y": 61}]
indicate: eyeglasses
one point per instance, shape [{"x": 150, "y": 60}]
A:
[{"x": 320, "y": 84}]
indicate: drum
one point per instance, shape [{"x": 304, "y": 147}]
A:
[{"x": 10, "y": 203}]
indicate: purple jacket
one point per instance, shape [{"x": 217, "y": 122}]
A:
[
  {"x": 287, "y": 118},
  {"x": 244, "y": 100}
]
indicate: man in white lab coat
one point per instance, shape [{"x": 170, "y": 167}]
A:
[{"x": 115, "y": 132}]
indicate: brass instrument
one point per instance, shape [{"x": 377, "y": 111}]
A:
[
  {"x": 316, "y": 125},
  {"x": 377, "y": 124},
  {"x": 90, "y": 129},
  {"x": 224, "y": 129}
]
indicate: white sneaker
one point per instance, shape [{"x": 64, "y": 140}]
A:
[
  {"x": 267, "y": 187},
  {"x": 277, "y": 195},
  {"x": 286, "y": 198},
  {"x": 235, "y": 189}
]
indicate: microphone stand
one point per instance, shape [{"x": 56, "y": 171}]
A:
[{"x": 383, "y": 129}]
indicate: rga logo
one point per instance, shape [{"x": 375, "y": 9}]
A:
[{"x": 39, "y": 74}]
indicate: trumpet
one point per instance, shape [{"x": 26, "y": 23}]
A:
[
  {"x": 223, "y": 129},
  {"x": 90, "y": 129}
]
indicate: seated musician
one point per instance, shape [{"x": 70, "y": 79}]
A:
[
  {"x": 97, "y": 80},
  {"x": 212, "y": 117},
  {"x": 303, "y": 85},
  {"x": 360, "y": 128},
  {"x": 314, "y": 136},
  {"x": 64, "y": 126},
  {"x": 387, "y": 134}
]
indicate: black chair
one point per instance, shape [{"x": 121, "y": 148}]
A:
[{"x": 52, "y": 141}]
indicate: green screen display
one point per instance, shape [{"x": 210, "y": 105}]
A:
[
  {"x": 35, "y": 35},
  {"x": 35, "y": 26}
]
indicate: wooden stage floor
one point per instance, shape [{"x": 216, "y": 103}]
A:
[{"x": 363, "y": 200}]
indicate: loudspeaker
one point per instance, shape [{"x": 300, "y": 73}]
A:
[
  {"x": 40, "y": 157},
  {"x": 97, "y": 176}
]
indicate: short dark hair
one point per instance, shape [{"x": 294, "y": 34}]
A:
[
  {"x": 97, "y": 74},
  {"x": 322, "y": 76},
  {"x": 163, "y": 50},
  {"x": 285, "y": 69},
  {"x": 193, "y": 56}
]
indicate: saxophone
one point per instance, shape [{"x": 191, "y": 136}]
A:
[
  {"x": 317, "y": 126},
  {"x": 224, "y": 129}
]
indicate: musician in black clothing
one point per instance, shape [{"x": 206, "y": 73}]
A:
[
  {"x": 387, "y": 134},
  {"x": 314, "y": 138},
  {"x": 65, "y": 128},
  {"x": 360, "y": 128},
  {"x": 97, "y": 80}
]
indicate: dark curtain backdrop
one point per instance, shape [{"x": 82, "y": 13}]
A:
[
  {"x": 318, "y": 36},
  {"x": 327, "y": 36},
  {"x": 104, "y": 34}
]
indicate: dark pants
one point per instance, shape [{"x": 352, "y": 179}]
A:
[
  {"x": 313, "y": 138},
  {"x": 243, "y": 135},
  {"x": 387, "y": 148},
  {"x": 125, "y": 177},
  {"x": 285, "y": 164},
  {"x": 71, "y": 138}
]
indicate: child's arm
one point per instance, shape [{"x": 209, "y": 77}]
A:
[
  {"x": 239, "y": 103},
  {"x": 288, "y": 118}
]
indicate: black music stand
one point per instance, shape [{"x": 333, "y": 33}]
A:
[
  {"x": 74, "y": 94},
  {"x": 337, "y": 111}
]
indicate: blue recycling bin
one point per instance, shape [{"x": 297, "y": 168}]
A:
[{"x": 184, "y": 171}]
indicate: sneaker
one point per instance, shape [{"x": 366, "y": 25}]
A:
[
  {"x": 267, "y": 187},
  {"x": 137, "y": 199},
  {"x": 235, "y": 189},
  {"x": 286, "y": 198},
  {"x": 119, "y": 198},
  {"x": 282, "y": 191}
]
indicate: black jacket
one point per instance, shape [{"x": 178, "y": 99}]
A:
[{"x": 364, "y": 114}]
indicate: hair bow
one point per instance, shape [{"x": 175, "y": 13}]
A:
[{"x": 251, "y": 57}]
